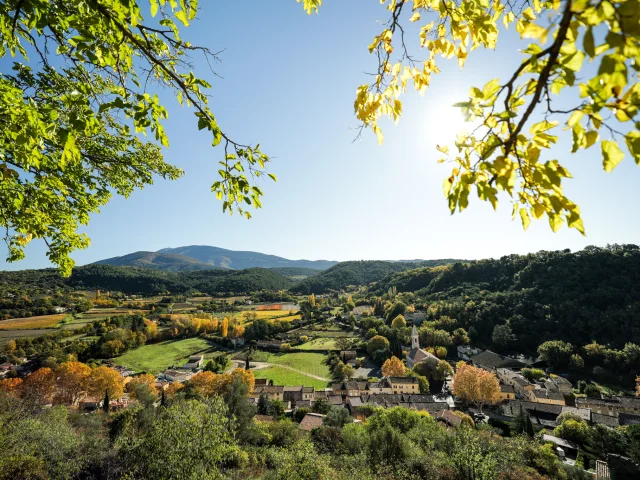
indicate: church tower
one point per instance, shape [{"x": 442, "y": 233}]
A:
[{"x": 414, "y": 338}]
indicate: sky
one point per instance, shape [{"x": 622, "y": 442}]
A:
[{"x": 288, "y": 82}]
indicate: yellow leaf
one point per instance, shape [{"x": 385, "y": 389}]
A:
[
  {"x": 415, "y": 17},
  {"x": 444, "y": 149},
  {"x": 378, "y": 132},
  {"x": 611, "y": 155},
  {"x": 524, "y": 215}
]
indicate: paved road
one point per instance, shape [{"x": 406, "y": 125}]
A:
[{"x": 260, "y": 365}]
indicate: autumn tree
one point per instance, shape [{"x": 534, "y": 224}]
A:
[
  {"x": 142, "y": 387},
  {"x": 517, "y": 119},
  {"x": 40, "y": 386},
  {"x": 224, "y": 328},
  {"x": 399, "y": 322},
  {"x": 11, "y": 386},
  {"x": 105, "y": 379},
  {"x": 443, "y": 370},
  {"x": 72, "y": 379},
  {"x": 475, "y": 385},
  {"x": 394, "y": 367},
  {"x": 71, "y": 135}
]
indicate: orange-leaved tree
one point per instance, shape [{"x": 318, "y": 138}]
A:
[
  {"x": 11, "y": 386},
  {"x": 39, "y": 386},
  {"x": 72, "y": 379},
  {"x": 393, "y": 367},
  {"x": 475, "y": 385}
]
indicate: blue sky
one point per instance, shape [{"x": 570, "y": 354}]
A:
[{"x": 289, "y": 82}]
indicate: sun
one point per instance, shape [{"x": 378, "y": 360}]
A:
[{"x": 443, "y": 122}]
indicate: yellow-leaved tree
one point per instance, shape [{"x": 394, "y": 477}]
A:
[
  {"x": 516, "y": 120},
  {"x": 475, "y": 385},
  {"x": 393, "y": 367}
]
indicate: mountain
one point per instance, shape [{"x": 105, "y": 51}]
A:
[
  {"x": 170, "y": 262},
  {"x": 361, "y": 272},
  {"x": 295, "y": 273},
  {"x": 238, "y": 260}
]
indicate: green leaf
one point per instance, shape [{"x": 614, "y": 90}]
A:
[
  {"x": 588, "y": 43},
  {"x": 611, "y": 155},
  {"x": 154, "y": 7}
]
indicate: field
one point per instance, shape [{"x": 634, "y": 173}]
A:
[
  {"x": 6, "y": 335},
  {"x": 319, "y": 344},
  {"x": 155, "y": 358},
  {"x": 312, "y": 363},
  {"x": 31, "y": 323},
  {"x": 282, "y": 376},
  {"x": 324, "y": 333}
]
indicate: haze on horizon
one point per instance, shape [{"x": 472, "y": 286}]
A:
[{"x": 337, "y": 199}]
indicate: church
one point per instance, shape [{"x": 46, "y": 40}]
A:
[{"x": 417, "y": 355}]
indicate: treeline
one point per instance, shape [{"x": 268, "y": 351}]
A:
[
  {"x": 132, "y": 280},
  {"x": 593, "y": 294},
  {"x": 364, "y": 272}
]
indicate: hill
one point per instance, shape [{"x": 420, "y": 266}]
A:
[
  {"x": 575, "y": 297},
  {"x": 295, "y": 273},
  {"x": 238, "y": 260},
  {"x": 147, "y": 281},
  {"x": 361, "y": 272},
  {"x": 171, "y": 262}
]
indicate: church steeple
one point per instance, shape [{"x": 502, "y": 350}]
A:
[{"x": 415, "y": 342}]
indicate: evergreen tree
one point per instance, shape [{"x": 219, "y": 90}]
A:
[
  {"x": 105, "y": 402},
  {"x": 163, "y": 400},
  {"x": 263, "y": 404},
  {"x": 530, "y": 430}
]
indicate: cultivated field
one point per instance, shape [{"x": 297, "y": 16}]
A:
[
  {"x": 155, "y": 358},
  {"x": 30, "y": 323},
  {"x": 312, "y": 363},
  {"x": 6, "y": 335},
  {"x": 282, "y": 376},
  {"x": 324, "y": 334}
]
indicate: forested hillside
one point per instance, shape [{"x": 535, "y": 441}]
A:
[
  {"x": 132, "y": 280},
  {"x": 362, "y": 272},
  {"x": 593, "y": 294},
  {"x": 171, "y": 262}
]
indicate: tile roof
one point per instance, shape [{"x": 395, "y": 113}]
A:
[
  {"x": 507, "y": 388},
  {"x": 448, "y": 417},
  {"x": 607, "y": 420},
  {"x": 629, "y": 419},
  {"x": 411, "y": 380},
  {"x": 542, "y": 407},
  {"x": 264, "y": 418},
  {"x": 493, "y": 360},
  {"x": 418, "y": 355},
  {"x": 311, "y": 421}
]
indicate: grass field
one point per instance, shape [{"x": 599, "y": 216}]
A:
[
  {"x": 325, "y": 334},
  {"x": 282, "y": 376},
  {"x": 157, "y": 357},
  {"x": 319, "y": 344},
  {"x": 312, "y": 363},
  {"x": 31, "y": 323}
]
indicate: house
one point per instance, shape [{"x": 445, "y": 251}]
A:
[
  {"x": 507, "y": 392},
  {"x": 194, "y": 363},
  {"x": 261, "y": 382},
  {"x": 628, "y": 419},
  {"x": 5, "y": 368},
  {"x": 609, "y": 421},
  {"x": 177, "y": 375},
  {"x": 308, "y": 394},
  {"x": 448, "y": 418},
  {"x": 263, "y": 418},
  {"x": 583, "y": 413},
  {"x": 378, "y": 387},
  {"x": 292, "y": 394},
  {"x": 465, "y": 352},
  {"x": 415, "y": 317},
  {"x": 559, "y": 383},
  {"x": 59, "y": 309},
  {"x": 404, "y": 384},
  {"x": 350, "y": 389},
  {"x": 542, "y": 395},
  {"x": 611, "y": 406},
  {"x": 491, "y": 361},
  {"x": 564, "y": 448},
  {"x": 426, "y": 403},
  {"x": 311, "y": 421},
  {"x": 520, "y": 384},
  {"x": 416, "y": 354},
  {"x": 90, "y": 403},
  {"x": 273, "y": 392},
  {"x": 347, "y": 355}
]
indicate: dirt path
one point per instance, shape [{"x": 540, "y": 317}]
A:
[{"x": 261, "y": 365}]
